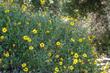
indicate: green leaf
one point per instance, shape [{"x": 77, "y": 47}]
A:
[{"x": 1, "y": 49}]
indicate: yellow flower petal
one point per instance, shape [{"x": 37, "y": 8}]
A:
[
  {"x": 75, "y": 61},
  {"x": 24, "y": 65},
  {"x": 4, "y": 29},
  {"x": 58, "y": 43},
  {"x": 6, "y": 54},
  {"x": 42, "y": 45},
  {"x": 31, "y": 47},
  {"x": 70, "y": 67},
  {"x": 25, "y": 69},
  {"x": 56, "y": 69},
  {"x": 76, "y": 55},
  {"x": 34, "y": 31},
  {"x": 85, "y": 55}
]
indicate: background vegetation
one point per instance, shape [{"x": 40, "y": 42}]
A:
[{"x": 46, "y": 36}]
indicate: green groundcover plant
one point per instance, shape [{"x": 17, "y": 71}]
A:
[{"x": 40, "y": 43}]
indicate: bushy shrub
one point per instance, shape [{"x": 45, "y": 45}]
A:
[
  {"x": 40, "y": 43},
  {"x": 83, "y": 7}
]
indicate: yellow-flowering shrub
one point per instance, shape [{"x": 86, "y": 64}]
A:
[{"x": 31, "y": 43}]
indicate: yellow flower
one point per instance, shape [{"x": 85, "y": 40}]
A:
[
  {"x": 25, "y": 69},
  {"x": 61, "y": 59},
  {"x": 58, "y": 43},
  {"x": 72, "y": 23},
  {"x": 85, "y": 55},
  {"x": 2, "y": 38},
  {"x": 4, "y": 29},
  {"x": 91, "y": 37},
  {"x": 7, "y": 11},
  {"x": 72, "y": 52},
  {"x": 57, "y": 56},
  {"x": 42, "y": 45},
  {"x": 75, "y": 61},
  {"x": 6, "y": 54},
  {"x": 24, "y": 7},
  {"x": 29, "y": 40},
  {"x": 31, "y": 47},
  {"x": 42, "y": 2},
  {"x": 49, "y": 54},
  {"x": 26, "y": 38},
  {"x": 80, "y": 40},
  {"x": 60, "y": 63},
  {"x": 56, "y": 69},
  {"x": 72, "y": 40},
  {"x": 76, "y": 55},
  {"x": 70, "y": 67},
  {"x": 24, "y": 65},
  {"x": 34, "y": 31}
]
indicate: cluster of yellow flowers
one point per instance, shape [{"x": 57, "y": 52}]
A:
[
  {"x": 24, "y": 67},
  {"x": 80, "y": 40},
  {"x": 76, "y": 60},
  {"x": 62, "y": 54},
  {"x": 27, "y": 38},
  {"x": 4, "y": 30}
]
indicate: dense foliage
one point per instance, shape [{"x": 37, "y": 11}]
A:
[
  {"x": 82, "y": 7},
  {"x": 40, "y": 43}
]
